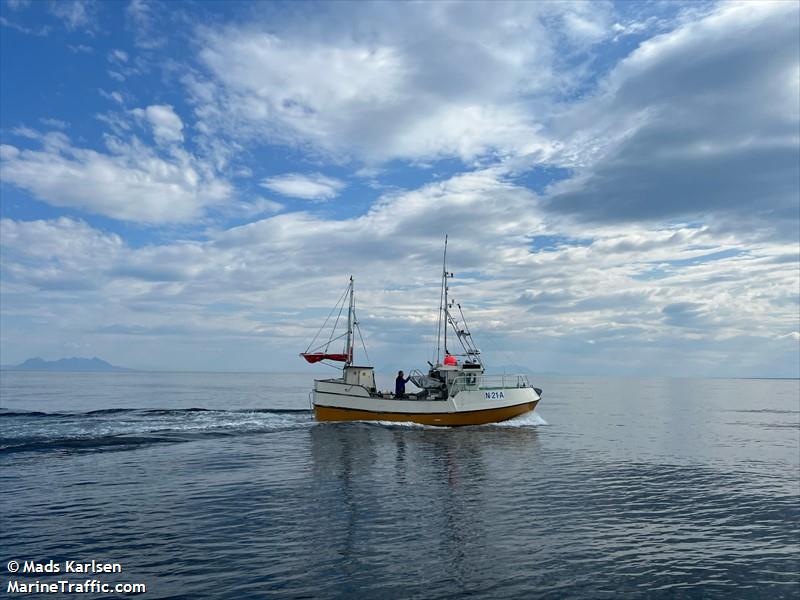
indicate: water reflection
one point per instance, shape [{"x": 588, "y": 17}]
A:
[{"x": 390, "y": 496}]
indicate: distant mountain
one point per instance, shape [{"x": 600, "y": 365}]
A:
[{"x": 65, "y": 364}]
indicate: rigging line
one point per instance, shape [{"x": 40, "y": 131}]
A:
[
  {"x": 341, "y": 308},
  {"x": 466, "y": 327},
  {"x": 326, "y": 344},
  {"x": 428, "y": 349},
  {"x": 464, "y": 336},
  {"x": 363, "y": 345},
  {"x": 326, "y": 321},
  {"x": 322, "y": 362},
  {"x": 455, "y": 328}
]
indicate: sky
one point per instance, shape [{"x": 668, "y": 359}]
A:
[{"x": 189, "y": 185}]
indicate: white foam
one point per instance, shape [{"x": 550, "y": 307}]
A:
[
  {"x": 529, "y": 419},
  {"x": 406, "y": 424}
]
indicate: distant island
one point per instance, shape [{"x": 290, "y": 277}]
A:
[{"x": 64, "y": 364}]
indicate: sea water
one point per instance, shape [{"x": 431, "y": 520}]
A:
[{"x": 207, "y": 485}]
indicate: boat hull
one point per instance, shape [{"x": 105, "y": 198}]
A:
[
  {"x": 443, "y": 419},
  {"x": 335, "y": 400}
]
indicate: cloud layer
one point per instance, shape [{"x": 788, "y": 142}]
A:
[
  {"x": 129, "y": 181},
  {"x": 621, "y": 290},
  {"x": 619, "y": 182},
  {"x": 417, "y": 81},
  {"x": 700, "y": 121}
]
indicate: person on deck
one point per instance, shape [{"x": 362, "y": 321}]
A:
[{"x": 400, "y": 385}]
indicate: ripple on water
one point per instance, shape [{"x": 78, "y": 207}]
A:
[{"x": 617, "y": 496}]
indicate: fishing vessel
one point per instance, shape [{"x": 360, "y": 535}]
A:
[{"x": 454, "y": 391}]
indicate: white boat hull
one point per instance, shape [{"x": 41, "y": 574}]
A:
[{"x": 337, "y": 401}]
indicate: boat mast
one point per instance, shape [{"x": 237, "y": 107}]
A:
[
  {"x": 349, "y": 344},
  {"x": 444, "y": 310},
  {"x": 444, "y": 283}
]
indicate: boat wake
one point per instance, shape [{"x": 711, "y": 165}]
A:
[
  {"x": 126, "y": 429},
  {"x": 526, "y": 420},
  {"x": 531, "y": 419},
  {"x": 123, "y": 429}
]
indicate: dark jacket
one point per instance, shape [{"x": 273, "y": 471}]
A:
[{"x": 400, "y": 386}]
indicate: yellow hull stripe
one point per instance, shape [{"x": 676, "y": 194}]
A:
[{"x": 449, "y": 419}]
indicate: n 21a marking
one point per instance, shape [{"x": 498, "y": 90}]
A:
[{"x": 494, "y": 395}]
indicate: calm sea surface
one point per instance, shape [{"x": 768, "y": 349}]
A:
[{"x": 222, "y": 486}]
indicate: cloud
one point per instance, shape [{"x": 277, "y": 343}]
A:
[
  {"x": 309, "y": 186},
  {"x": 56, "y": 123},
  {"x": 117, "y": 55},
  {"x": 60, "y": 254},
  {"x": 26, "y": 132},
  {"x": 130, "y": 182},
  {"x": 80, "y": 48},
  {"x": 42, "y": 31},
  {"x": 167, "y": 126},
  {"x": 703, "y": 120},
  {"x": 598, "y": 283},
  {"x": 74, "y": 13},
  {"x": 250, "y": 209},
  {"x": 60, "y": 239},
  {"x": 376, "y": 81},
  {"x": 684, "y": 314},
  {"x": 678, "y": 196},
  {"x": 116, "y": 97},
  {"x": 143, "y": 21}
]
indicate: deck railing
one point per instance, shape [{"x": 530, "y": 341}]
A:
[{"x": 477, "y": 381}]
